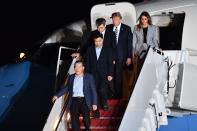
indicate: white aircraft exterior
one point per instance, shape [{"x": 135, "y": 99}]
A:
[{"x": 151, "y": 103}]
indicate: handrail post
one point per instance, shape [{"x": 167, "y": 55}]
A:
[{"x": 62, "y": 111}]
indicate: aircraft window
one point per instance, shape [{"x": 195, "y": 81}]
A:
[{"x": 171, "y": 29}]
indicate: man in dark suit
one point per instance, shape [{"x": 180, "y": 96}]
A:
[
  {"x": 122, "y": 47},
  {"x": 99, "y": 62},
  {"x": 101, "y": 28},
  {"x": 82, "y": 96}
]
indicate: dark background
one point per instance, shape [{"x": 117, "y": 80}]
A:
[{"x": 24, "y": 25}]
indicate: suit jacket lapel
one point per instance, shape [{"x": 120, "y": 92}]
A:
[
  {"x": 105, "y": 36},
  {"x": 94, "y": 53},
  {"x": 100, "y": 54},
  {"x": 120, "y": 33},
  {"x": 72, "y": 83},
  {"x": 148, "y": 33},
  {"x": 84, "y": 83}
]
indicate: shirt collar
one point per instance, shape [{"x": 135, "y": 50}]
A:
[
  {"x": 99, "y": 47},
  {"x": 117, "y": 27},
  {"x": 79, "y": 76},
  {"x": 103, "y": 32}
]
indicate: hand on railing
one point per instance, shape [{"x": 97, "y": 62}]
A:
[
  {"x": 94, "y": 107},
  {"x": 54, "y": 99},
  {"x": 109, "y": 78},
  {"x": 75, "y": 55},
  {"x": 129, "y": 61}
]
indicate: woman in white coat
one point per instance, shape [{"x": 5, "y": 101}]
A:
[{"x": 145, "y": 35}]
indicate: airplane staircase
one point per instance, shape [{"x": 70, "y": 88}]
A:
[{"x": 109, "y": 120}]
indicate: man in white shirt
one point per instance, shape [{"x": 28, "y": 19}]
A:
[
  {"x": 99, "y": 63},
  {"x": 82, "y": 96}
]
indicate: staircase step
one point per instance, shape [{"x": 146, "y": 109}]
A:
[
  {"x": 116, "y": 112},
  {"x": 103, "y": 118},
  {"x": 116, "y": 102},
  {"x": 102, "y": 128},
  {"x": 113, "y": 102},
  {"x": 103, "y": 122},
  {"x": 112, "y": 112},
  {"x": 98, "y": 128},
  {"x": 109, "y": 120}
]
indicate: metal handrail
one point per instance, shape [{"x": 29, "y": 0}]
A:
[
  {"x": 66, "y": 99},
  {"x": 63, "y": 110}
]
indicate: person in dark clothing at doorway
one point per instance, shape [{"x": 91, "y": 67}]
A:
[
  {"x": 82, "y": 96},
  {"x": 101, "y": 28},
  {"x": 99, "y": 63}
]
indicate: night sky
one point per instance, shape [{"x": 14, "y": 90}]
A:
[
  {"x": 23, "y": 28},
  {"x": 24, "y": 25}
]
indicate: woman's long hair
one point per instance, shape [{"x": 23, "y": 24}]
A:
[{"x": 147, "y": 15}]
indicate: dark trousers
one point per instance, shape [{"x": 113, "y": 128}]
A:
[
  {"x": 118, "y": 78},
  {"x": 102, "y": 88},
  {"x": 79, "y": 106}
]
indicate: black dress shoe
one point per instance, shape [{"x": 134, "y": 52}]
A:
[
  {"x": 96, "y": 114},
  {"x": 105, "y": 107}
]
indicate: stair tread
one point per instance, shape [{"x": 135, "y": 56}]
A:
[
  {"x": 117, "y": 102},
  {"x": 102, "y": 118},
  {"x": 112, "y": 112},
  {"x": 98, "y": 127},
  {"x": 105, "y": 122},
  {"x": 109, "y": 120}
]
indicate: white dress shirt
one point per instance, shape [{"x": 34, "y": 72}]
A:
[
  {"x": 78, "y": 86},
  {"x": 98, "y": 51},
  {"x": 103, "y": 33},
  {"x": 118, "y": 27}
]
